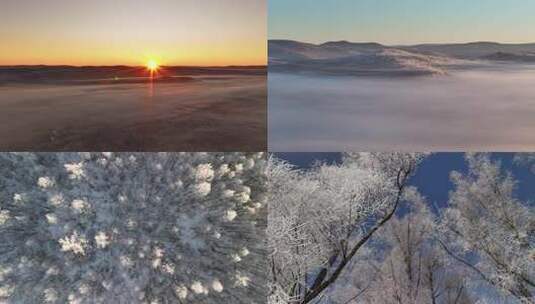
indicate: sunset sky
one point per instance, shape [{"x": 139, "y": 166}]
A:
[
  {"x": 403, "y": 21},
  {"x": 116, "y": 32}
]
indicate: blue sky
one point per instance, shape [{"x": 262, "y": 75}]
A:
[
  {"x": 433, "y": 175},
  {"x": 402, "y": 22}
]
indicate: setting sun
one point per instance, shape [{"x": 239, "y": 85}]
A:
[{"x": 152, "y": 65}]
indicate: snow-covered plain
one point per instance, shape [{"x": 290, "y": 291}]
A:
[
  {"x": 488, "y": 107},
  {"x": 54, "y": 110}
]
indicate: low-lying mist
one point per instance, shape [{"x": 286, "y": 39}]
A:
[{"x": 484, "y": 109}]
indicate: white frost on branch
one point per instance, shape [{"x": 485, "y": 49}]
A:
[
  {"x": 318, "y": 219},
  {"x": 75, "y": 243},
  {"x": 405, "y": 264},
  {"x": 485, "y": 219},
  {"x": 76, "y": 170}
]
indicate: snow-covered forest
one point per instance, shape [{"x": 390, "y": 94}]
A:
[
  {"x": 358, "y": 231},
  {"x": 132, "y": 228},
  {"x": 239, "y": 228}
]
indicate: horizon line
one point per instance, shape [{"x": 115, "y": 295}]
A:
[
  {"x": 131, "y": 66},
  {"x": 403, "y": 44}
]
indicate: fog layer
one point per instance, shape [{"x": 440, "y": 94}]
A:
[{"x": 484, "y": 109}]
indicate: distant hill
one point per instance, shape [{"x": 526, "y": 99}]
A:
[
  {"x": 114, "y": 74},
  {"x": 502, "y": 56},
  {"x": 288, "y": 49},
  {"x": 474, "y": 50},
  {"x": 343, "y": 57}
]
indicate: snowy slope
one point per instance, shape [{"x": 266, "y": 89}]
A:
[
  {"x": 347, "y": 58},
  {"x": 354, "y": 58}
]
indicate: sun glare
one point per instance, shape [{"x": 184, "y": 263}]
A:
[{"x": 152, "y": 65}]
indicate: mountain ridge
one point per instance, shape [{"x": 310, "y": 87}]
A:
[
  {"x": 355, "y": 58},
  {"x": 404, "y": 45}
]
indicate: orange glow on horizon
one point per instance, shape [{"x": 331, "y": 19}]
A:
[
  {"x": 89, "y": 55},
  {"x": 107, "y": 33}
]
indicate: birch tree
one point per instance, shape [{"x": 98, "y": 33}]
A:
[
  {"x": 319, "y": 219},
  {"x": 490, "y": 231},
  {"x": 525, "y": 159},
  {"x": 405, "y": 265}
]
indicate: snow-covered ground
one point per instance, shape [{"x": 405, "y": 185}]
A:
[{"x": 211, "y": 112}]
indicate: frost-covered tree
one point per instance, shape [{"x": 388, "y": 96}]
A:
[
  {"x": 525, "y": 159},
  {"x": 132, "y": 228},
  {"x": 488, "y": 230},
  {"x": 405, "y": 265},
  {"x": 320, "y": 218}
]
